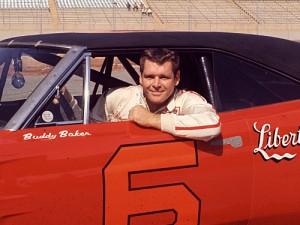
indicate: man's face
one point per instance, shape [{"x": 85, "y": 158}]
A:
[{"x": 158, "y": 83}]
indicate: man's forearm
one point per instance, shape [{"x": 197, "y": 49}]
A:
[{"x": 203, "y": 126}]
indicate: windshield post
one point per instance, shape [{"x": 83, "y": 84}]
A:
[{"x": 86, "y": 89}]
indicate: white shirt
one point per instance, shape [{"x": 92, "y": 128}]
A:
[{"x": 187, "y": 114}]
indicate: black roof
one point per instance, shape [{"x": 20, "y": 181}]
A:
[{"x": 280, "y": 54}]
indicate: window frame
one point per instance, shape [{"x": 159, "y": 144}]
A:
[
  {"x": 39, "y": 97},
  {"x": 256, "y": 66}
]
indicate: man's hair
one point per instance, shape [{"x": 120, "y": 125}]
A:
[{"x": 160, "y": 56}]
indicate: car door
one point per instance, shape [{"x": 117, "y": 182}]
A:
[{"x": 230, "y": 153}]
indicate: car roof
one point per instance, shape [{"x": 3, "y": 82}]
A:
[{"x": 279, "y": 54}]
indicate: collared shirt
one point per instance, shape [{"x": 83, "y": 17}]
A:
[{"x": 187, "y": 114}]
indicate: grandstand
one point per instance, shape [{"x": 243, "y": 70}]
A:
[
  {"x": 205, "y": 11},
  {"x": 13, "y": 11},
  {"x": 272, "y": 12},
  {"x": 105, "y": 13},
  {"x": 275, "y": 17}
]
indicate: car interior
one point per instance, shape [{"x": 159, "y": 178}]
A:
[{"x": 227, "y": 82}]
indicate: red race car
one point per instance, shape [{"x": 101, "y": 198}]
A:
[{"x": 58, "y": 168}]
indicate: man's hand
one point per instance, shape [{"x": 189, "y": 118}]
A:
[
  {"x": 63, "y": 91},
  {"x": 143, "y": 117}
]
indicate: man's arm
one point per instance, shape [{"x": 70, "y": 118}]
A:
[
  {"x": 197, "y": 120},
  {"x": 200, "y": 126},
  {"x": 72, "y": 102}
]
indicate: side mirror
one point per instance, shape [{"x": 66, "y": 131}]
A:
[{"x": 18, "y": 80}]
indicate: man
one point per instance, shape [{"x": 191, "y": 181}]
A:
[
  {"x": 157, "y": 103},
  {"x": 128, "y": 6},
  {"x": 149, "y": 11}
]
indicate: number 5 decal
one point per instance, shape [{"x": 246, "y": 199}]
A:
[{"x": 122, "y": 202}]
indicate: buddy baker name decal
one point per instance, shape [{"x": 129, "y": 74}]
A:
[
  {"x": 274, "y": 140},
  {"x": 51, "y": 136}
]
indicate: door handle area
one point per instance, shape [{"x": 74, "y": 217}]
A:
[{"x": 235, "y": 142}]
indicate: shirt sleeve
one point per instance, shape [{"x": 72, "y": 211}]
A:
[{"x": 197, "y": 119}]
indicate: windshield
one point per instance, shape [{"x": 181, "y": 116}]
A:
[{"x": 21, "y": 71}]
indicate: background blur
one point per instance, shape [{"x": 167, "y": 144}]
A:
[{"x": 280, "y": 18}]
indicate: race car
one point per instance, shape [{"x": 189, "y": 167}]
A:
[{"x": 58, "y": 168}]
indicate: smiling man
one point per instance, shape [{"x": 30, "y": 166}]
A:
[{"x": 157, "y": 103}]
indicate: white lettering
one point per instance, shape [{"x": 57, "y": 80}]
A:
[
  {"x": 29, "y": 136},
  {"x": 77, "y": 133},
  {"x": 63, "y": 133},
  {"x": 50, "y": 136},
  {"x": 295, "y": 140},
  {"x": 286, "y": 139},
  {"x": 275, "y": 140}
]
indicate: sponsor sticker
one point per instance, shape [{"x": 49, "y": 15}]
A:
[
  {"x": 47, "y": 116},
  {"x": 272, "y": 139}
]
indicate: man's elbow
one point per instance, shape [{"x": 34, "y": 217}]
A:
[{"x": 213, "y": 132}]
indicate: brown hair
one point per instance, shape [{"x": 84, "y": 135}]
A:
[{"x": 160, "y": 56}]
